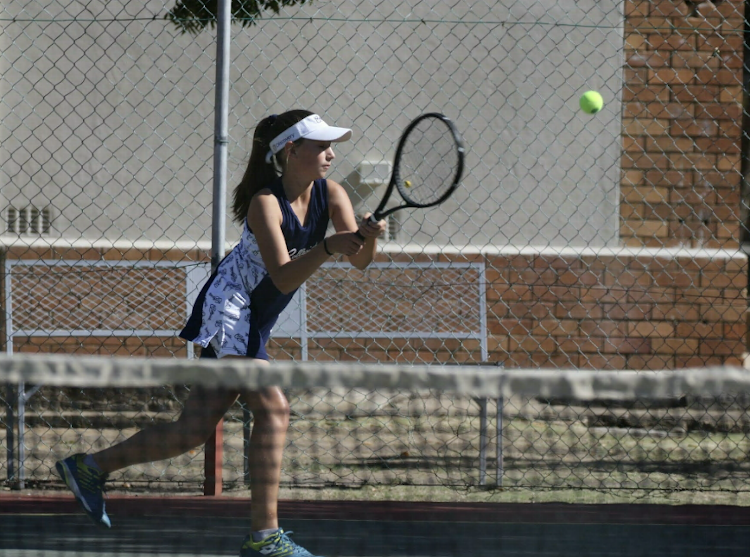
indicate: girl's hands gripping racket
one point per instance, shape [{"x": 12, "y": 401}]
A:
[{"x": 428, "y": 165}]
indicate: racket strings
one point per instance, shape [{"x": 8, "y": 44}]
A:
[{"x": 429, "y": 162}]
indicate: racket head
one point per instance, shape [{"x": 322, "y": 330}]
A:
[{"x": 429, "y": 161}]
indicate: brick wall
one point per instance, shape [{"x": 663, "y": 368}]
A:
[
  {"x": 616, "y": 311},
  {"x": 601, "y": 311},
  {"x": 79, "y": 293},
  {"x": 682, "y": 115},
  {"x": 613, "y": 311}
]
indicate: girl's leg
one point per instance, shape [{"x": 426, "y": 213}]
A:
[
  {"x": 270, "y": 422},
  {"x": 202, "y": 411}
]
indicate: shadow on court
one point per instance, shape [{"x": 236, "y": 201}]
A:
[{"x": 216, "y": 526}]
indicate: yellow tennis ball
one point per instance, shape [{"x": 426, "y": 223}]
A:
[
  {"x": 591, "y": 102},
  {"x": 407, "y": 183}
]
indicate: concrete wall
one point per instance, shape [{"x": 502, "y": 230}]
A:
[{"x": 110, "y": 123}]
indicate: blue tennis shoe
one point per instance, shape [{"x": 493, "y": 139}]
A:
[
  {"x": 87, "y": 484},
  {"x": 278, "y": 544}
]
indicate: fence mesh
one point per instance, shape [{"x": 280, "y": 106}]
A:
[{"x": 606, "y": 242}]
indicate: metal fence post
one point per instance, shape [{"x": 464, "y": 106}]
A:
[{"x": 214, "y": 450}]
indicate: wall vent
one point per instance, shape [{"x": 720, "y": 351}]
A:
[{"x": 28, "y": 220}]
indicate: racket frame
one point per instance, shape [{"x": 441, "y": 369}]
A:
[{"x": 381, "y": 212}]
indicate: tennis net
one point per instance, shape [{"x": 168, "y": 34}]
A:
[{"x": 357, "y": 424}]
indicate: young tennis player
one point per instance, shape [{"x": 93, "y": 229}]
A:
[{"x": 285, "y": 204}]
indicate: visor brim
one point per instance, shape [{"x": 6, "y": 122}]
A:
[{"x": 330, "y": 133}]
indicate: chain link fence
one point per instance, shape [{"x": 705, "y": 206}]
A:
[{"x": 610, "y": 241}]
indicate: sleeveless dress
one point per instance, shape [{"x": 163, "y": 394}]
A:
[{"x": 239, "y": 304}]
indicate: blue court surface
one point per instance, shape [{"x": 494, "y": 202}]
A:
[{"x": 184, "y": 526}]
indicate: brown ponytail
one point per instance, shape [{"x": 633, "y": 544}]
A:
[{"x": 259, "y": 173}]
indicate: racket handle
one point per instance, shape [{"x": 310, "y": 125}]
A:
[{"x": 372, "y": 220}]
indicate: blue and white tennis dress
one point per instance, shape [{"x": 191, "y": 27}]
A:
[{"x": 239, "y": 304}]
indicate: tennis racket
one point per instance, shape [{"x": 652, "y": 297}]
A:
[{"x": 427, "y": 167}]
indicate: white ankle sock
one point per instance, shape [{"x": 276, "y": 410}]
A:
[{"x": 261, "y": 535}]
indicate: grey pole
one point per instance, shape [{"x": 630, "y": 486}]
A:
[
  {"x": 221, "y": 132},
  {"x": 213, "y": 453}
]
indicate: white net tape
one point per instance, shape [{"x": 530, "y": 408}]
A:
[{"x": 98, "y": 372}]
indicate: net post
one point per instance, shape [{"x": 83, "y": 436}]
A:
[
  {"x": 7, "y": 339},
  {"x": 499, "y": 446},
  {"x": 20, "y": 421},
  {"x": 246, "y": 432},
  {"x": 9, "y": 432},
  {"x": 212, "y": 485},
  {"x": 499, "y": 468},
  {"x": 483, "y": 440}
]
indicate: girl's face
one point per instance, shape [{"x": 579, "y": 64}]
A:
[{"x": 311, "y": 158}]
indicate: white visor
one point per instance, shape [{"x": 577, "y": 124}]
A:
[{"x": 313, "y": 127}]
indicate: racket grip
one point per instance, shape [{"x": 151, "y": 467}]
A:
[{"x": 371, "y": 219}]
